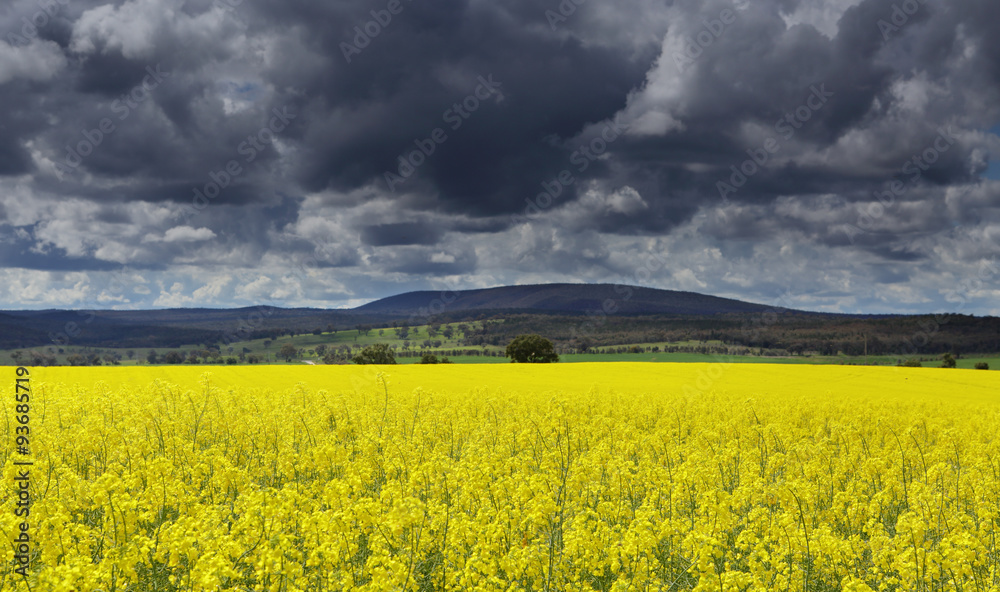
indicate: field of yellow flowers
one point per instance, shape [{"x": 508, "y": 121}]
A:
[{"x": 505, "y": 477}]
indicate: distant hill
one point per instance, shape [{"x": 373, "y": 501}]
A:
[
  {"x": 562, "y": 312},
  {"x": 562, "y": 298},
  {"x": 173, "y": 327},
  {"x": 165, "y": 327}
]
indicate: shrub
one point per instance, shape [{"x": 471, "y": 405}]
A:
[
  {"x": 982, "y": 366},
  {"x": 948, "y": 361},
  {"x": 911, "y": 363}
]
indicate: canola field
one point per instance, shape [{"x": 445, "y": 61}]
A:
[{"x": 502, "y": 477}]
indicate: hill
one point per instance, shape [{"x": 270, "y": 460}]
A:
[
  {"x": 564, "y": 299},
  {"x": 575, "y": 316}
]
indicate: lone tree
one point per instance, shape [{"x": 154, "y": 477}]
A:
[
  {"x": 531, "y": 349},
  {"x": 948, "y": 361},
  {"x": 288, "y": 351},
  {"x": 376, "y": 354}
]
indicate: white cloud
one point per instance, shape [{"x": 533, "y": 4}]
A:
[
  {"x": 256, "y": 290},
  {"x": 41, "y": 60},
  {"x": 211, "y": 291},
  {"x": 44, "y": 289},
  {"x": 186, "y": 234},
  {"x": 823, "y": 15},
  {"x": 687, "y": 280},
  {"x": 626, "y": 201},
  {"x": 135, "y": 26},
  {"x": 206, "y": 295},
  {"x": 182, "y": 234},
  {"x": 130, "y": 28}
]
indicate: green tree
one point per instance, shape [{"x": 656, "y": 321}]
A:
[
  {"x": 429, "y": 359},
  {"x": 947, "y": 361},
  {"x": 531, "y": 349},
  {"x": 982, "y": 366},
  {"x": 288, "y": 352},
  {"x": 380, "y": 353}
]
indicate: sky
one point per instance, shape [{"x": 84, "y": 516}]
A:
[{"x": 830, "y": 155}]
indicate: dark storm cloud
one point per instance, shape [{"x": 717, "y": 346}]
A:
[
  {"x": 422, "y": 262},
  {"x": 14, "y": 160},
  {"x": 496, "y": 100},
  {"x": 760, "y": 72},
  {"x": 414, "y": 77},
  {"x": 404, "y": 233}
]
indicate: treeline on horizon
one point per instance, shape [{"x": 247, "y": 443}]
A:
[
  {"x": 777, "y": 333},
  {"x": 793, "y": 333}
]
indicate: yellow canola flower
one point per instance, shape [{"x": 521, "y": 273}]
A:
[{"x": 520, "y": 477}]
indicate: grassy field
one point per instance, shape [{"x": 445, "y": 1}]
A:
[
  {"x": 267, "y": 350},
  {"x": 660, "y": 357}
]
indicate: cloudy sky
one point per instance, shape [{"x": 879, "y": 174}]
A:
[{"x": 836, "y": 155}]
